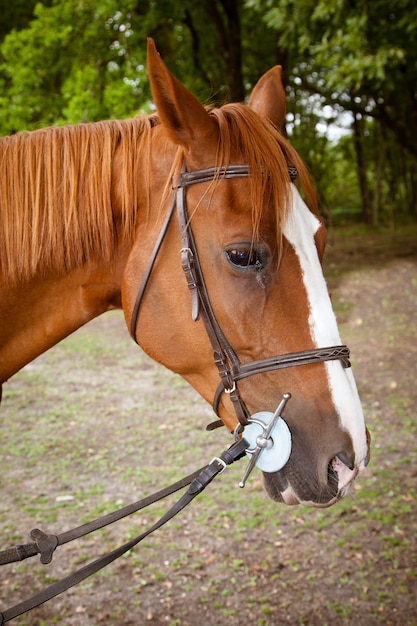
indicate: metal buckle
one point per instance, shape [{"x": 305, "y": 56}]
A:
[
  {"x": 221, "y": 462},
  {"x": 229, "y": 391}
]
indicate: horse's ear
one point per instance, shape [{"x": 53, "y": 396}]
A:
[
  {"x": 268, "y": 97},
  {"x": 186, "y": 120}
]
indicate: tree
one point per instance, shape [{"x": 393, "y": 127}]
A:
[
  {"x": 82, "y": 60},
  {"x": 358, "y": 56},
  {"x": 72, "y": 63}
]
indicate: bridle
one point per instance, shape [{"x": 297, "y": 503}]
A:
[{"x": 230, "y": 369}]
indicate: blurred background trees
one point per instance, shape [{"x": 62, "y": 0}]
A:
[{"x": 350, "y": 71}]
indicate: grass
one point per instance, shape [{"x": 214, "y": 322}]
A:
[{"x": 94, "y": 419}]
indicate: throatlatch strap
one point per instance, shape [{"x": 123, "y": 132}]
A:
[{"x": 145, "y": 279}]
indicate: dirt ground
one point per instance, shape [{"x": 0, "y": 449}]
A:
[{"x": 94, "y": 424}]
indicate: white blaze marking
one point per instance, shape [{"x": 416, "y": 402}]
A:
[{"x": 300, "y": 227}]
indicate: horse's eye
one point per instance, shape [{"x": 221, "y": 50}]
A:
[{"x": 244, "y": 257}]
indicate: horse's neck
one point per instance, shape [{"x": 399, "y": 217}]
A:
[{"x": 36, "y": 316}]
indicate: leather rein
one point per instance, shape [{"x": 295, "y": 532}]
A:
[
  {"x": 45, "y": 544},
  {"x": 229, "y": 366}
]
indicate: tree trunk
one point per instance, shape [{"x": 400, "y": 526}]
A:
[
  {"x": 225, "y": 14},
  {"x": 358, "y": 135},
  {"x": 412, "y": 190},
  {"x": 379, "y": 148},
  {"x": 234, "y": 51}
]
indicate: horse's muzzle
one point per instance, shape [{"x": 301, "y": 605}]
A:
[{"x": 285, "y": 486}]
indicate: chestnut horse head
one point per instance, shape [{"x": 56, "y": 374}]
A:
[{"x": 85, "y": 208}]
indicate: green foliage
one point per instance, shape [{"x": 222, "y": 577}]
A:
[
  {"x": 73, "y": 63},
  {"x": 66, "y": 61},
  {"x": 355, "y": 45},
  {"x": 359, "y": 57}
]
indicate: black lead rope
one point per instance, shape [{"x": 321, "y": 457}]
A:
[{"x": 197, "y": 482}]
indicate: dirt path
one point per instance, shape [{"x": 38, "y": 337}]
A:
[{"x": 94, "y": 424}]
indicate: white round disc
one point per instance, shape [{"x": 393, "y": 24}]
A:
[{"x": 276, "y": 455}]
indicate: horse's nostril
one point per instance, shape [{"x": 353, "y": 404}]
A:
[{"x": 347, "y": 459}]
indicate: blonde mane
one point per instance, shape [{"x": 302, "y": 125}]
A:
[
  {"x": 55, "y": 194},
  {"x": 56, "y": 186}
]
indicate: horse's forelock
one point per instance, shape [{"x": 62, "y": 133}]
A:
[{"x": 268, "y": 155}]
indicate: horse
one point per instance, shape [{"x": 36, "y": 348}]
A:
[{"x": 88, "y": 225}]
